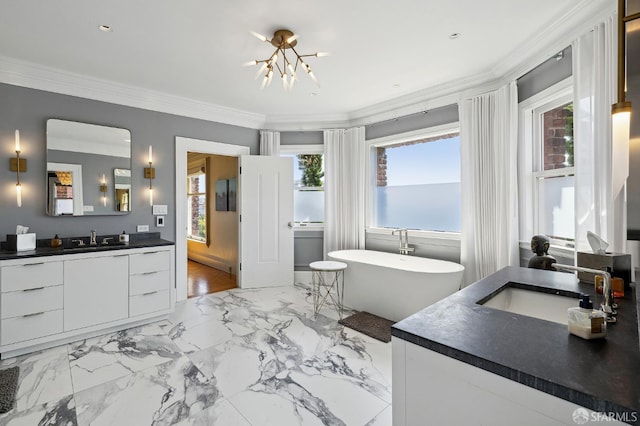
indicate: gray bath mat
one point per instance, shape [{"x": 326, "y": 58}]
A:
[
  {"x": 372, "y": 325},
  {"x": 8, "y": 388}
]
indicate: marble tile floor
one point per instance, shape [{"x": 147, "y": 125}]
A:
[{"x": 237, "y": 357}]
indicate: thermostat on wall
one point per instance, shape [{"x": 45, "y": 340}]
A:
[{"x": 159, "y": 221}]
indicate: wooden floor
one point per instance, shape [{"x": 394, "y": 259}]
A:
[{"x": 203, "y": 279}]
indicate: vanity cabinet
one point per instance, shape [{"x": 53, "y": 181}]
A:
[
  {"x": 50, "y": 300},
  {"x": 31, "y": 301},
  {"x": 95, "y": 291},
  {"x": 149, "y": 282}
]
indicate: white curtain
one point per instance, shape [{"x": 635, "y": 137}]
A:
[
  {"x": 600, "y": 180},
  {"x": 488, "y": 138},
  {"x": 344, "y": 187},
  {"x": 269, "y": 143}
]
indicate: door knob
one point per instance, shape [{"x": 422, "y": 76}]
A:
[{"x": 290, "y": 225}]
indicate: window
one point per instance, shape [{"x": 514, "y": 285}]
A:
[
  {"x": 308, "y": 183},
  {"x": 554, "y": 173},
  {"x": 548, "y": 169},
  {"x": 196, "y": 206},
  {"x": 416, "y": 182}
]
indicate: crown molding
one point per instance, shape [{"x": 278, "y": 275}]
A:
[
  {"x": 437, "y": 96},
  {"x": 34, "y": 76},
  {"x": 307, "y": 122},
  {"x": 576, "y": 21}
]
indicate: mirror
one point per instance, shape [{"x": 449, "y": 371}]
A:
[{"x": 88, "y": 169}]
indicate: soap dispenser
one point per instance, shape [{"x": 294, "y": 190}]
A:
[
  {"x": 56, "y": 241},
  {"x": 124, "y": 238},
  {"x": 586, "y": 322}
]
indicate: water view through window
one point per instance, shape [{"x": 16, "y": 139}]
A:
[{"x": 418, "y": 185}]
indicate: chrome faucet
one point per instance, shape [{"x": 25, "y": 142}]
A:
[
  {"x": 80, "y": 242},
  {"x": 608, "y": 307},
  {"x": 92, "y": 241},
  {"x": 404, "y": 242}
]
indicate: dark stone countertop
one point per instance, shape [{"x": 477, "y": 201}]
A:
[
  {"x": 601, "y": 374},
  {"x": 140, "y": 240}
]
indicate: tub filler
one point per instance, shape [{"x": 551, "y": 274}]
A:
[{"x": 395, "y": 286}]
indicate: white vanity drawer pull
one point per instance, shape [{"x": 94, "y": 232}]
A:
[
  {"x": 33, "y": 289},
  {"x": 150, "y": 293},
  {"x": 150, "y": 273},
  {"x": 121, "y": 255},
  {"x": 33, "y": 264},
  {"x": 33, "y": 315},
  {"x": 151, "y": 252}
]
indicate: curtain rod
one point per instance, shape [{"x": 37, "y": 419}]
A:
[{"x": 396, "y": 118}]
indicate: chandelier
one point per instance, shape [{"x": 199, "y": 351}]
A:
[{"x": 283, "y": 40}]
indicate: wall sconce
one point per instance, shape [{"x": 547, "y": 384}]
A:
[
  {"x": 103, "y": 189},
  {"x": 18, "y": 165},
  {"x": 620, "y": 111},
  {"x": 150, "y": 173}
]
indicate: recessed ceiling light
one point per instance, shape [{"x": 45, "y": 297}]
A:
[
  {"x": 314, "y": 94},
  {"x": 105, "y": 28},
  {"x": 454, "y": 36}
]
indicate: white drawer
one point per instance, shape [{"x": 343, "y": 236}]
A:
[
  {"x": 148, "y": 282},
  {"x": 30, "y": 275},
  {"x": 149, "y": 302},
  {"x": 23, "y": 328},
  {"x": 40, "y": 299},
  {"x": 149, "y": 262}
]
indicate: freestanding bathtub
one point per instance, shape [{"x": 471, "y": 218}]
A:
[{"x": 395, "y": 286}]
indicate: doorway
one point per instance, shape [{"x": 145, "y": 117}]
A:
[
  {"x": 183, "y": 147},
  {"x": 212, "y": 223}
]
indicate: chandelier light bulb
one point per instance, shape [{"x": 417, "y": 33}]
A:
[
  {"x": 285, "y": 81},
  {"x": 250, "y": 63},
  {"x": 291, "y": 70},
  {"x": 292, "y": 38},
  {"x": 258, "y": 36},
  {"x": 262, "y": 68},
  {"x": 313, "y": 77},
  {"x": 321, "y": 54},
  {"x": 291, "y": 81},
  {"x": 264, "y": 82}
]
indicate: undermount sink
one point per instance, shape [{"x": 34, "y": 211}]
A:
[{"x": 533, "y": 303}]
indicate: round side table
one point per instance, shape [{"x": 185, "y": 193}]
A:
[{"x": 322, "y": 287}]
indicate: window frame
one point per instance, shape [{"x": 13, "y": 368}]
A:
[
  {"x": 531, "y": 160},
  {"x": 371, "y": 175},
  {"x": 305, "y": 149},
  {"x": 198, "y": 194}
]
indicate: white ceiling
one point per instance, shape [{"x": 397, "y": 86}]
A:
[{"x": 380, "y": 49}]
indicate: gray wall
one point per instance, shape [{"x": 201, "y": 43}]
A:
[
  {"x": 29, "y": 109},
  {"x": 422, "y": 120},
  {"x": 545, "y": 75},
  {"x": 302, "y": 138}
]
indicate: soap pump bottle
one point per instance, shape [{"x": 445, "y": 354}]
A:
[
  {"x": 124, "y": 238},
  {"x": 586, "y": 322},
  {"x": 56, "y": 241}
]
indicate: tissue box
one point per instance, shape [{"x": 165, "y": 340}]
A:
[
  {"x": 619, "y": 263},
  {"x": 21, "y": 242}
]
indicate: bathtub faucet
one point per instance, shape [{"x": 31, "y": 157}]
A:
[{"x": 404, "y": 242}]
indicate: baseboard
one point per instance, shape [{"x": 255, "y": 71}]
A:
[{"x": 211, "y": 261}]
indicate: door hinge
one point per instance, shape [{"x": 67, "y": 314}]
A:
[
  {"x": 240, "y": 217},
  {"x": 240, "y": 169},
  {"x": 241, "y": 266}
]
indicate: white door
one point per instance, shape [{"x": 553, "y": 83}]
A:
[{"x": 266, "y": 217}]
